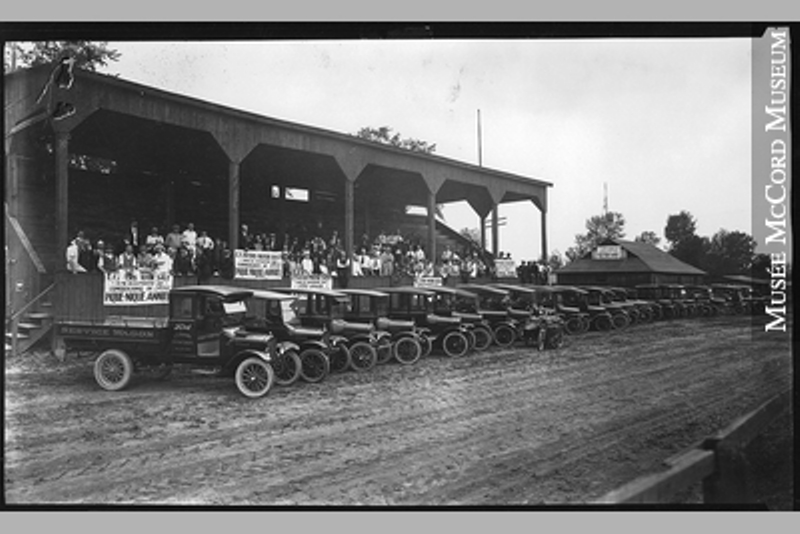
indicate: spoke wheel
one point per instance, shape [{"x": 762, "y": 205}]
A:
[
  {"x": 363, "y": 356},
  {"x": 340, "y": 358},
  {"x": 384, "y": 350},
  {"x": 483, "y": 338},
  {"x": 620, "y": 321},
  {"x": 407, "y": 350},
  {"x": 470, "y": 336},
  {"x": 555, "y": 339},
  {"x": 504, "y": 336},
  {"x": 113, "y": 370},
  {"x": 287, "y": 368},
  {"x": 573, "y": 326},
  {"x": 314, "y": 365},
  {"x": 455, "y": 344},
  {"x": 602, "y": 323},
  {"x": 427, "y": 345},
  {"x": 254, "y": 377}
]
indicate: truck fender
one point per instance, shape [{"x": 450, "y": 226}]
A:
[
  {"x": 382, "y": 335},
  {"x": 401, "y": 335},
  {"x": 360, "y": 337},
  {"x": 247, "y": 353},
  {"x": 337, "y": 340},
  {"x": 285, "y": 346},
  {"x": 314, "y": 344}
]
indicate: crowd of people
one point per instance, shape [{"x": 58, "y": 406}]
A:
[
  {"x": 187, "y": 252},
  {"x": 181, "y": 252}
]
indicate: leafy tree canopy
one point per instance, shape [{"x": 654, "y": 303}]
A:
[
  {"x": 649, "y": 237},
  {"x": 610, "y": 225},
  {"x": 88, "y": 55},
  {"x": 385, "y": 136},
  {"x": 680, "y": 227}
]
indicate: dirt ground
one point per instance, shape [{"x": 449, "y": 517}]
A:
[{"x": 502, "y": 427}]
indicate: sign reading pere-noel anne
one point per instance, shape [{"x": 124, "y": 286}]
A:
[
  {"x": 257, "y": 264},
  {"x": 136, "y": 288}
]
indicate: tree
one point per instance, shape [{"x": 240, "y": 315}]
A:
[
  {"x": 385, "y": 136},
  {"x": 88, "y": 55},
  {"x": 610, "y": 225},
  {"x": 730, "y": 253},
  {"x": 759, "y": 267},
  {"x": 649, "y": 237},
  {"x": 680, "y": 227},
  {"x": 555, "y": 261}
]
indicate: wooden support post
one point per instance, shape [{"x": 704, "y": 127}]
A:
[
  {"x": 349, "y": 187},
  {"x": 495, "y": 231},
  {"x": 62, "y": 194},
  {"x": 483, "y": 233},
  {"x": 233, "y": 204},
  {"x": 432, "y": 226},
  {"x": 728, "y": 485},
  {"x": 544, "y": 236}
]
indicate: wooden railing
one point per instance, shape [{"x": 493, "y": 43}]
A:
[
  {"x": 24, "y": 269},
  {"x": 79, "y": 297},
  {"x": 19, "y": 314},
  {"x": 719, "y": 462}
]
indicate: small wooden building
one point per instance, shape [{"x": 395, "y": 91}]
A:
[{"x": 616, "y": 262}]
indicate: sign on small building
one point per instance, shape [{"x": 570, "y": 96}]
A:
[{"x": 608, "y": 252}]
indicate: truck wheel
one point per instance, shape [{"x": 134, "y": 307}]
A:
[
  {"x": 113, "y": 370},
  {"x": 339, "y": 358},
  {"x": 455, "y": 344},
  {"x": 483, "y": 338},
  {"x": 315, "y": 365},
  {"x": 287, "y": 368},
  {"x": 602, "y": 323},
  {"x": 504, "y": 335},
  {"x": 363, "y": 356},
  {"x": 407, "y": 351},
  {"x": 619, "y": 321},
  {"x": 555, "y": 339},
  {"x": 384, "y": 350},
  {"x": 573, "y": 326},
  {"x": 426, "y": 344},
  {"x": 470, "y": 337},
  {"x": 254, "y": 377}
]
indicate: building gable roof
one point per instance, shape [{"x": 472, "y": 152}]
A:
[{"x": 641, "y": 257}]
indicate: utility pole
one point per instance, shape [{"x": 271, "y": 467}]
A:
[{"x": 480, "y": 141}]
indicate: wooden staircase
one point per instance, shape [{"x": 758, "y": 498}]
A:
[{"x": 29, "y": 325}]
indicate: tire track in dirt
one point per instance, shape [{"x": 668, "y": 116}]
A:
[{"x": 396, "y": 435}]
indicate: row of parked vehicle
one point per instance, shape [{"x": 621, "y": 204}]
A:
[
  {"x": 606, "y": 308},
  {"x": 266, "y": 337},
  {"x": 280, "y": 336}
]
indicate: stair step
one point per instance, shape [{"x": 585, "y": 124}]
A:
[
  {"x": 38, "y": 316},
  {"x": 27, "y": 326}
]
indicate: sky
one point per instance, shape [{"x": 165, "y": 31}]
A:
[{"x": 663, "y": 123}]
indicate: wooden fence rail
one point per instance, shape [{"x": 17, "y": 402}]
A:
[{"x": 719, "y": 462}]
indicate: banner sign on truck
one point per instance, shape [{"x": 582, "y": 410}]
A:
[
  {"x": 140, "y": 288},
  {"x": 258, "y": 264}
]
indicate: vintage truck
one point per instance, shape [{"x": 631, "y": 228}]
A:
[{"x": 205, "y": 328}]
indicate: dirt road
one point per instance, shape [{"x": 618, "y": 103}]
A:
[{"x": 503, "y": 427}]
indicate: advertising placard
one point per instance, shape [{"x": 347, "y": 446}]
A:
[
  {"x": 138, "y": 288},
  {"x": 258, "y": 264},
  {"x": 505, "y": 268}
]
